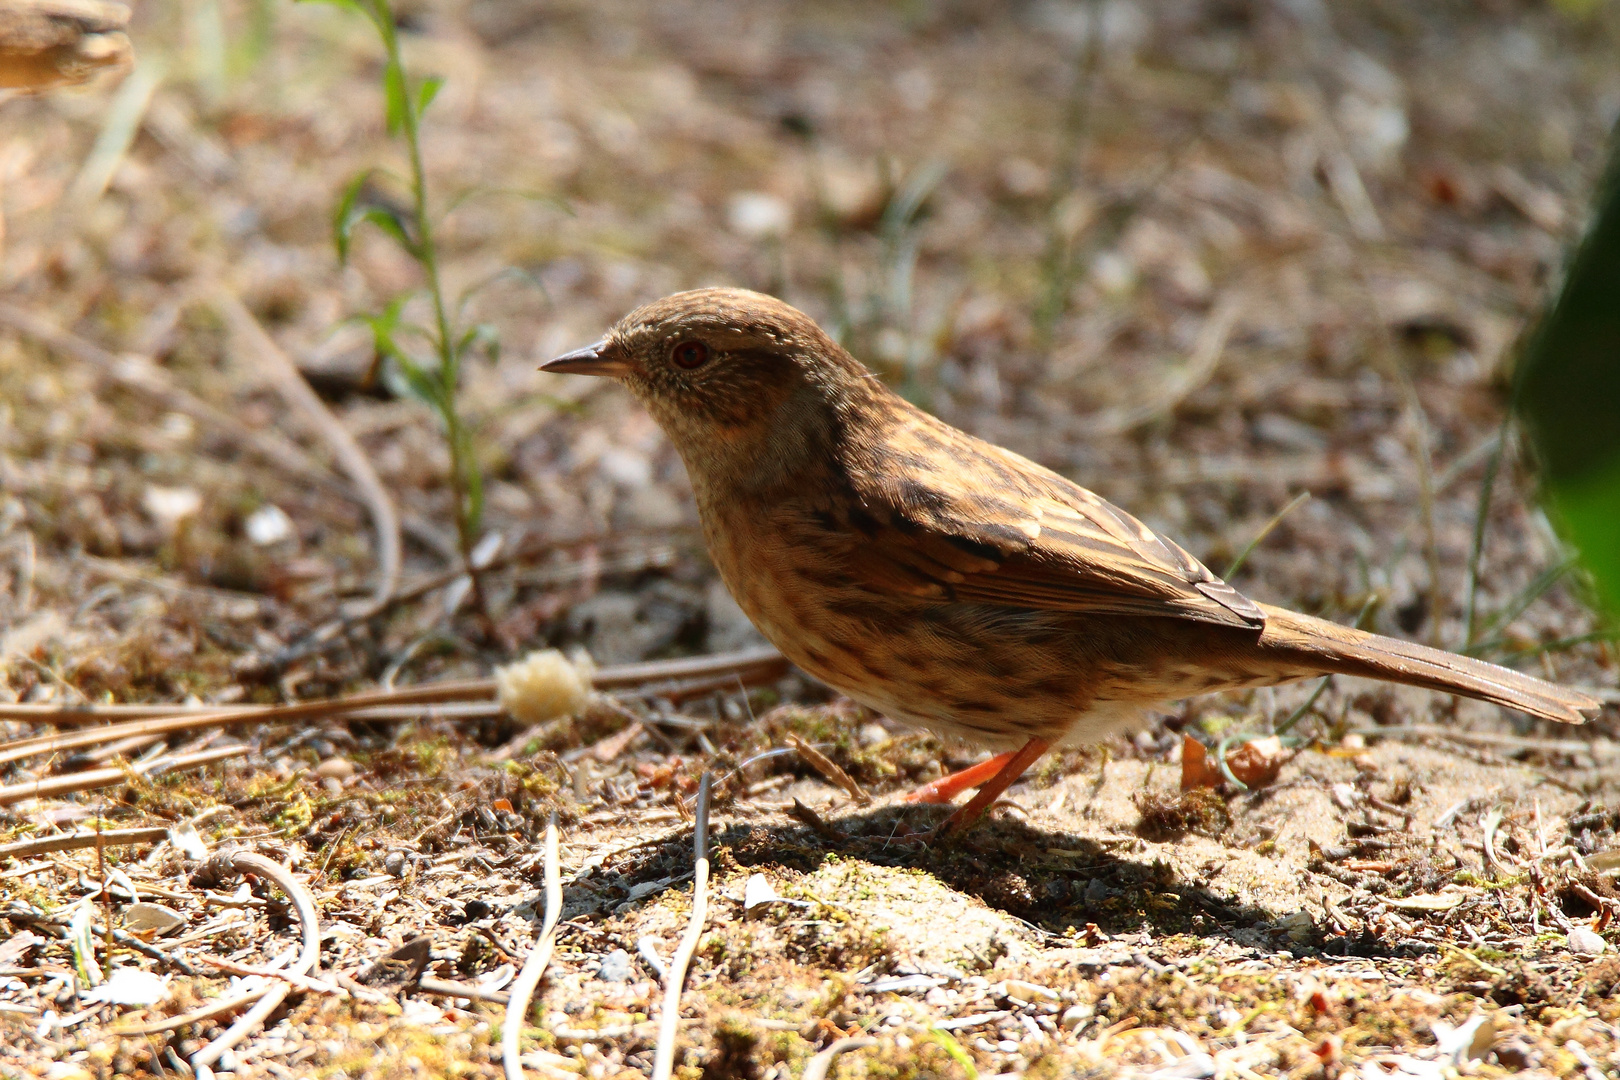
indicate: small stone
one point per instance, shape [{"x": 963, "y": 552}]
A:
[
  {"x": 394, "y": 864},
  {"x": 758, "y": 892},
  {"x": 129, "y": 986},
  {"x": 152, "y": 918},
  {"x": 616, "y": 967},
  {"x": 335, "y": 769},
  {"x": 873, "y": 734},
  {"x": 1298, "y": 926},
  {"x": 169, "y": 506},
  {"x": 1584, "y": 942},
  {"x": 757, "y": 214},
  {"x": 1024, "y": 179},
  {"x": 1075, "y": 1017},
  {"x": 1516, "y": 1054},
  {"x": 268, "y": 525},
  {"x": 1025, "y": 992}
]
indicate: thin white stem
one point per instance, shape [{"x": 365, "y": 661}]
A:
[
  {"x": 670, "y": 1019},
  {"x": 534, "y": 966}
]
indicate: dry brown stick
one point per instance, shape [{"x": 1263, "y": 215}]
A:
[
  {"x": 92, "y": 714},
  {"x": 50, "y": 787},
  {"x": 670, "y": 1018},
  {"x": 243, "y": 862},
  {"x": 306, "y": 710},
  {"x": 534, "y": 965},
  {"x": 829, "y": 768},
  {"x": 351, "y": 457},
  {"x": 427, "y": 984},
  {"x": 41, "y": 845},
  {"x": 298, "y": 982},
  {"x": 694, "y": 675},
  {"x": 231, "y": 864},
  {"x": 125, "y": 747},
  {"x": 139, "y": 374}
]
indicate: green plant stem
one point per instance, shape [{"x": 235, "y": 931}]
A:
[
  {"x": 1517, "y": 606},
  {"x": 1560, "y": 645},
  {"x": 444, "y": 343},
  {"x": 1265, "y": 531},
  {"x": 1299, "y": 714}
]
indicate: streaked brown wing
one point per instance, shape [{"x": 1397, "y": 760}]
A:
[{"x": 995, "y": 528}]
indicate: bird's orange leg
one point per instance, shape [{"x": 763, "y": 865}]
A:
[
  {"x": 992, "y": 789},
  {"x": 949, "y": 787}
]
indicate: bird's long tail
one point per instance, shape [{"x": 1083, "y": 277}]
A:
[{"x": 1329, "y": 647}]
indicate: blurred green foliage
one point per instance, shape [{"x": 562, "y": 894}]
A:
[{"x": 1568, "y": 395}]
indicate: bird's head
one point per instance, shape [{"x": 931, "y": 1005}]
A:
[{"x": 738, "y": 380}]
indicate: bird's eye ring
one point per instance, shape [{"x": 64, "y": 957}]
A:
[{"x": 690, "y": 354}]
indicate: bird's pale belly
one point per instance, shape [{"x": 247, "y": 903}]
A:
[{"x": 997, "y": 677}]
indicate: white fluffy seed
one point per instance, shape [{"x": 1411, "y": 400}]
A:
[{"x": 545, "y": 685}]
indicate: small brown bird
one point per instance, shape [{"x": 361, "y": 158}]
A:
[{"x": 945, "y": 581}]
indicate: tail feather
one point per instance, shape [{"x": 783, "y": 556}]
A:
[{"x": 1343, "y": 650}]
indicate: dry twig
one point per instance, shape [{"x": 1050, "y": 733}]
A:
[
  {"x": 270, "y": 999},
  {"x": 1198, "y": 370},
  {"x": 427, "y": 984},
  {"x": 265, "y": 999},
  {"x": 669, "y": 1020},
  {"x": 91, "y": 779},
  {"x": 292, "y": 387},
  {"x": 40, "y": 845},
  {"x": 669, "y": 677},
  {"x": 534, "y": 965},
  {"x": 829, "y": 768}
]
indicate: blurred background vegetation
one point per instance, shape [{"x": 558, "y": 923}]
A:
[{"x": 1569, "y": 394}]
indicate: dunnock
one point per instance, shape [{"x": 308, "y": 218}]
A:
[{"x": 945, "y": 581}]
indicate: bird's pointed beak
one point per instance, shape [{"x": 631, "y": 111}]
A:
[{"x": 597, "y": 359}]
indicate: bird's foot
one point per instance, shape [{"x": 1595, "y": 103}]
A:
[
  {"x": 992, "y": 778},
  {"x": 949, "y": 787}
]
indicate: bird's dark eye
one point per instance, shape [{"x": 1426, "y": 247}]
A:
[{"x": 690, "y": 354}]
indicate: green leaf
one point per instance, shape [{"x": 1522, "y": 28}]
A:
[
  {"x": 385, "y": 328},
  {"x": 479, "y": 191},
  {"x": 346, "y": 5},
  {"x": 343, "y": 217},
  {"x": 398, "y": 102},
  {"x": 483, "y": 335},
  {"x": 392, "y": 224},
  {"x": 352, "y": 210},
  {"x": 427, "y": 92},
  {"x": 1568, "y": 394},
  {"x": 420, "y": 383},
  {"x": 472, "y": 479}
]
